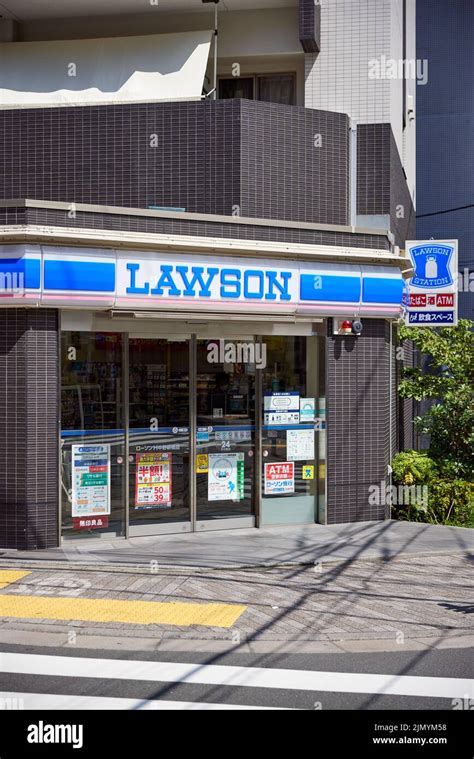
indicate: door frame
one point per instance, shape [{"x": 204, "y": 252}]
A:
[{"x": 193, "y": 524}]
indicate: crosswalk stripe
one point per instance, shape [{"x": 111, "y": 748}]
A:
[
  {"x": 250, "y": 677},
  {"x": 60, "y": 702}
]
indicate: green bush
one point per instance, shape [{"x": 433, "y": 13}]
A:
[
  {"x": 451, "y": 502},
  {"x": 413, "y": 468}
]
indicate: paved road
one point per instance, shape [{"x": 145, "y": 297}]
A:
[{"x": 106, "y": 680}]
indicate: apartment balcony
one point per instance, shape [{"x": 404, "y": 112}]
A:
[{"x": 225, "y": 157}]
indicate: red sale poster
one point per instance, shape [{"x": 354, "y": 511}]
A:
[{"x": 153, "y": 480}]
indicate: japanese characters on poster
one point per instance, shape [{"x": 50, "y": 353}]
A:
[
  {"x": 90, "y": 480},
  {"x": 153, "y": 480},
  {"x": 226, "y": 477},
  {"x": 281, "y": 408},
  {"x": 300, "y": 445},
  {"x": 279, "y": 478}
]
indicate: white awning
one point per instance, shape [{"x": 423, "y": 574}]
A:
[{"x": 108, "y": 70}]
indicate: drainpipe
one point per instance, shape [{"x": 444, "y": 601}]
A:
[
  {"x": 353, "y": 172},
  {"x": 216, "y": 3}
]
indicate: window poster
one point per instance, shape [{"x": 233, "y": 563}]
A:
[
  {"x": 90, "y": 480},
  {"x": 281, "y": 408},
  {"x": 281, "y": 401},
  {"x": 279, "y": 478},
  {"x": 226, "y": 477},
  {"x": 153, "y": 480},
  {"x": 307, "y": 409},
  {"x": 300, "y": 445}
]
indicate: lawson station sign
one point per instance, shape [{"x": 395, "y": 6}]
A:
[
  {"x": 431, "y": 299},
  {"x": 98, "y": 278}
]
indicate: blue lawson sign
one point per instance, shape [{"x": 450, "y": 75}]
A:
[
  {"x": 431, "y": 298},
  {"x": 432, "y": 266},
  {"x": 102, "y": 278}
]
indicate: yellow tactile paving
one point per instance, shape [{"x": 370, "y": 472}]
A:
[
  {"x": 129, "y": 612},
  {"x": 8, "y": 576}
]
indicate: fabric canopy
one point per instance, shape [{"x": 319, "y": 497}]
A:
[{"x": 108, "y": 70}]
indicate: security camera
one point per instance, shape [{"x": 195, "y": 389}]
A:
[{"x": 357, "y": 327}]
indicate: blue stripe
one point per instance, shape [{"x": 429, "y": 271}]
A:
[
  {"x": 29, "y": 267},
  {"x": 380, "y": 290},
  {"x": 87, "y": 276},
  {"x": 328, "y": 287}
]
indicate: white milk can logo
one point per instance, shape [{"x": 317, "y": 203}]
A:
[
  {"x": 230, "y": 352},
  {"x": 432, "y": 266},
  {"x": 46, "y": 733}
]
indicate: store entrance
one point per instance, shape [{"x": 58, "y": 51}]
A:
[
  {"x": 158, "y": 435},
  {"x": 190, "y": 432},
  {"x": 225, "y": 435}
]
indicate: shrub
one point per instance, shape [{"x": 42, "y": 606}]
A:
[
  {"x": 413, "y": 468},
  {"x": 451, "y": 502}
]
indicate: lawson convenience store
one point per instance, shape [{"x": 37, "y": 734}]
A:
[{"x": 193, "y": 391}]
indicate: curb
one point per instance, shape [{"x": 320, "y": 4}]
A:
[{"x": 144, "y": 568}]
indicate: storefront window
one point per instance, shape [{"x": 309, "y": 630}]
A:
[
  {"x": 293, "y": 438},
  {"x": 129, "y": 404},
  {"x": 92, "y": 434}
]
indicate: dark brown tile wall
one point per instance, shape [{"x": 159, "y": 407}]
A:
[
  {"x": 210, "y": 157},
  {"x": 29, "y": 371},
  {"x": 88, "y": 220},
  {"x": 358, "y": 421},
  {"x": 310, "y": 26},
  {"x": 381, "y": 182},
  {"x": 279, "y": 144}
]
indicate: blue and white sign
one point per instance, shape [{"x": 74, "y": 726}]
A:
[
  {"x": 60, "y": 276},
  {"x": 432, "y": 265},
  {"x": 431, "y": 298}
]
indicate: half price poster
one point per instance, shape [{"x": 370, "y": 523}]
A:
[{"x": 153, "y": 480}]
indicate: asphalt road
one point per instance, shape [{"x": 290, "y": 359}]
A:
[{"x": 80, "y": 678}]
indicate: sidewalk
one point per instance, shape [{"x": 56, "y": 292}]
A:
[
  {"x": 354, "y": 587},
  {"x": 267, "y": 547}
]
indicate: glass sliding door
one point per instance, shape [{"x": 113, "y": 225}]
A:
[
  {"x": 92, "y": 434},
  {"x": 159, "y": 435},
  {"x": 172, "y": 434},
  {"x": 225, "y": 433},
  {"x": 292, "y": 412}
]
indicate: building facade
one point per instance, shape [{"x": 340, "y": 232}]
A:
[
  {"x": 201, "y": 284},
  {"x": 446, "y": 123}
]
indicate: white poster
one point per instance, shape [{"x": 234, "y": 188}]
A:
[
  {"x": 300, "y": 445},
  {"x": 225, "y": 477},
  {"x": 307, "y": 409},
  {"x": 281, "y": 402},
  {"x": 273, "y": 418},
  {"x": 90, "y": 480}
]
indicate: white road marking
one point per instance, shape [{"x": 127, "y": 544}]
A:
[
  {"x": 59, "y": 702},
  {"x": 249, "y": 677}
]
